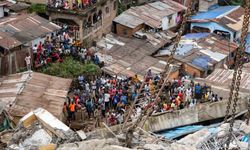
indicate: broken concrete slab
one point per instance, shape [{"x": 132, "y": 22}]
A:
[
  {"x": 39, "y": 138},
  {"x": 41, "y": 128},
  {"x": 52, "y": 123},
  {"x": 81, "y": 134}
]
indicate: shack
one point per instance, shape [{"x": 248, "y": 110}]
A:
[
  {"x": 17, "y": 34},
  {"x": 22, "y": 93}
]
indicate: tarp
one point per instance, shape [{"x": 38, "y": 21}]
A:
[
  {"x": 171, "y": 134},
  {"x": 202, "y": 61},
  {"x": 214, "y": 13},
  {"x": 248, "y": 44},
  {"x": 196, "y": 35}
]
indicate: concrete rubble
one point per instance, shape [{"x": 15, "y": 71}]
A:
[
  {"x": 41, "y": 130},
  {"x": 216, "y": 138}
]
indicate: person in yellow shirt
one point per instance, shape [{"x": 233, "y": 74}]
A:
[
  {"x": 135, "y": 79},
  {"x": 206, "y": 96},
  {"x": 151, "y": 87}
]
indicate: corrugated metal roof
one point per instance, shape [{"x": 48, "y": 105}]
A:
[
  {"x": 214, "y": 13},
  {"x": 132, "y": 58},
  {"x": 20, "y": 29},
  {"x": 194, "y": 50},
  {"x": 150, "y": 14},
  {"x": 214, "y": 55},
  {"x": 230, "y": 17},
  {"x": 223, "y": 77},
  {"x": 49, "y": 92},
  {"x": 220, "y": 81},
  {"x": 128, "y": 20}
]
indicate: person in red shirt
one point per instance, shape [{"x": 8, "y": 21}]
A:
[{"x": 180, "y": 94}]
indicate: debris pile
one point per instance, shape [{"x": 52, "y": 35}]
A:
[
  {"x": 40, "y": 129},
  {"x": 216, "y": 138}
]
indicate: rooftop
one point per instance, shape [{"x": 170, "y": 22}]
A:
[
  {"x": 150, "y": 14},
  {"x": 201, "y": 49},
  {"x": 20, "y": 29},
  {"x": 230, "y": 17},
  {"x": 129, "y": 56},
  {"x": 19, "y": 6},
  {"x": 221, "y": 80},
  {"x": 218, "y": 12},
  {"x": 23, "y": 94}
]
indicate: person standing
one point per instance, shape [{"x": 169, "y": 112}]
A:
[
  {"x": 72, "y": 107},
  {"x": 106, "y": 100},
  {"x": 28, "y": 62}
]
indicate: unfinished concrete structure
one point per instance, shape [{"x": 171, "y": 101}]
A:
[{"x": 85, "y": 23}]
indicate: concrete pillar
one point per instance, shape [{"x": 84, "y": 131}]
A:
[{"x": 81, "y": 30}]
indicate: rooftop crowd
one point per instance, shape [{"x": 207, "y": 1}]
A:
[{"x": 76, "y": 4}]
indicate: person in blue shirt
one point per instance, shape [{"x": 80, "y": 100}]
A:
[
  {"x": 133, "y": 96},
  {"x": 198, "y": 91},
  {"x": 116, "y": 99},
  {"x": 124, "y": 99}
]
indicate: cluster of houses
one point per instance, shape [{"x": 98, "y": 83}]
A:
[
  {"x": 210, "y": 42},
  {"x": 137, "y": 40}
]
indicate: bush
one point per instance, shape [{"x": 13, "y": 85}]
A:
[
  {"x": 71, "y": 68},
  {"x": 38, "y": 8}
]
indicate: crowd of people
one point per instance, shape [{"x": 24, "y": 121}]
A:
[
  {"x": 56, "y": 46},
  {"x": 108, "y": 99},
  {"x": 76, "y": 4}
]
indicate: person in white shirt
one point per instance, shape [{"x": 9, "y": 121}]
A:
[
  {"x": 34, "y": 48},
  {"x": 28, "y": 62},
  {"x": 188, "y": 94},
  {"x": 87, "y": 87},
  {"x": 106, "y": 100}
]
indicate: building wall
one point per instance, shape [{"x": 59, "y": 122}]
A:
[
  {"x": 169, "y": 21},
  {"x": 125, "y": 31},
  {"x": 212, "y": 26},
  {"x": 12, "y": 62},
  {"x": 192, "y": 70},
  {"x": 95, "y": 32},
  {"x": 174, "y": 75},
  {"x": 205, "y": 4}
]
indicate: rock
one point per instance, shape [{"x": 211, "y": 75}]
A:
[{"x": 154, "y": 147}]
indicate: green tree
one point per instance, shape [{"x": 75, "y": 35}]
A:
[
  {"x": 121, "y": 8},
  {"x": 237, "y": 2},
  {"x": 71, "y": 68},
  {"x": 38, "y": 8}
]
